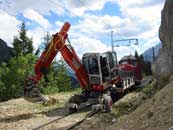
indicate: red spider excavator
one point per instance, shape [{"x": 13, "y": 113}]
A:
[{"x": 98, "y": 73}]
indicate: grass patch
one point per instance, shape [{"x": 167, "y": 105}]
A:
[
  {"x": 149, "y": 90},
  {"x": 64, "y": 96},
  {"x": 124, "y": 108},
  {"x": 130, "y": 102},
  {"x": 75, "y": 90}
]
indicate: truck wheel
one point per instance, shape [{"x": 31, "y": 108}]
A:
[
  {"x": 78, "y": 99},
  {"x": 114, "y": 95},
  {"x": 72, "y": 108},
  {"x": 108, "y": 103}
]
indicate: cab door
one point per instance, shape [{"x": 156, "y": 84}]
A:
[
  {"x": 92, "y": 65},
  {"x": 105, "y": 67},
  {"x": 112, "y": 63}
]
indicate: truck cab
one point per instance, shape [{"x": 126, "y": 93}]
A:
[
  {"x": 99, "y": 67},
  {"x": 137, "y": 67}
]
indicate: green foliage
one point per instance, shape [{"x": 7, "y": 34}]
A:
[
  {"x": 63, "y": 80},
  {"x": 22, "y": 44},
  {"x": 47, "y": 39},
  {"x": 13, "y": 74},
  {"x": 58, "y": 78},
  {"x": 150, "y": 90},
  {"x": 146, "y": 65},
  {"x": 18, "y": 68}
]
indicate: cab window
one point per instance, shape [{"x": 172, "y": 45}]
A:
[
  {"x": 93, "y": 66},
  {"x": 113, "y": 59}
]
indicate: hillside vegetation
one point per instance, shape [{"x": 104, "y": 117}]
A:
[{"x": 20, "y": 65}]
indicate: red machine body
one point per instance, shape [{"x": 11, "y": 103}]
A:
[
  {"x": 135, "y": 66},
  {"x": 58, "y": 45},
  {"x": 50, "y": 52},
  {"x": 97, "y": 73}
]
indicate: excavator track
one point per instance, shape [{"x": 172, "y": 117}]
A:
[
  {"x": 59, "y": 119},
  {"x": 89, "y": 115}
]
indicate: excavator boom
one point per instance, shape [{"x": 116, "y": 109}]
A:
[
  {"x": 56, "y": 45},
  {"x": 46, "y": 58},
  {"x": 73, "y": 61}
]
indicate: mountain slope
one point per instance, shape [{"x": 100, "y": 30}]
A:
[
  {"x": 148, "y": 54},
  {"x": 5, "y": 51}
]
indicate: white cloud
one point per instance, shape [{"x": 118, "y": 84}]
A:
[
  {"x": 35, "y": 16},
  {"x": 98, "y": 26},
  {"x": 141, "y": 3},
  {"x": 144, "y": 20},
  {"x": 137, "y": 22},
  {"x": 8, "y": 27},
  {"x": 140, "y": 19},
  {"x": 37, "y": 35},
  {"x": 122, "y": 51},
  {"x": 152, "y": 42},
  {"x": 59, "y": 24},
  {"x": 84, "y": 44},
  {"x": 44, "y": 7},
  {"x": 79, "y": 7}
]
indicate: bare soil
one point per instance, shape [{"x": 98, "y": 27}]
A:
[
  {"x": 18, "y": 114},
  {"x": 154, "y": 114},
  {"x": 135, "y": 111}
]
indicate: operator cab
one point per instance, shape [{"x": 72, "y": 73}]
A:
[{"x": 99, "y": 66}]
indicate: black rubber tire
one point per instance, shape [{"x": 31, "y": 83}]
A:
[
  {"x": 72, "y": 110},
  {"x": 114, "y": 95},
  {"x": 108, "y": 103},
  {"x": 78, "y": 99}
]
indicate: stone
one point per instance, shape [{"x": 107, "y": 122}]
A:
[
  {"x": 166, "y": 27},
  {"x": 163, "y": 67}
]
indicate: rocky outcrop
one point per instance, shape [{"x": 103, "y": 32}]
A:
[
  {"x": 166, "y": 27},
  {"x": 163, "y": 67}
]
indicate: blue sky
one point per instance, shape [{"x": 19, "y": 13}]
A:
[{"x": 91, "y": 22}]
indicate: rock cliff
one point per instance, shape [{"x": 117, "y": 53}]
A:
[{"x": 163, "y": 67}]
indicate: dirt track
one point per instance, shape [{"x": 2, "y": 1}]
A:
[
  {"x": 154, "y": 114},
  {"x": 19, "y": 114}
]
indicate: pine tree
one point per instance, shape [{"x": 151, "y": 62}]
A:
[
  {"x": 47, "y": 39},
  {"x": 13, "y": 75},
  {"x": 146, "y": 66},
  {"x": 63, "y": 79},
  {"x": 22, "y": 44},
  {"x": 136, "y": 55},
  {"x": 59, "y": 80},
  {"x": 44, "y": 44}
]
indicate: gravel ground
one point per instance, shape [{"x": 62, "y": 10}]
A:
[
  {"x": 18, "y": 114},
  {"x": 155, "y": 113}
]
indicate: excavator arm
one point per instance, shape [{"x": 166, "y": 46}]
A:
[{"x": 57, "y": 44}]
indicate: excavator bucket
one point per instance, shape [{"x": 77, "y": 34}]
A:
[{"x": 32, "y": 93}]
